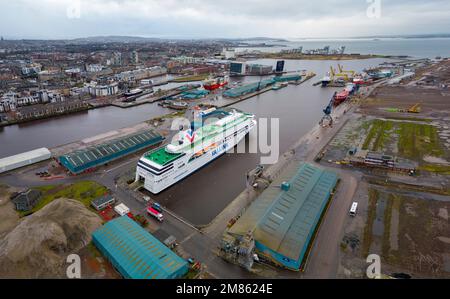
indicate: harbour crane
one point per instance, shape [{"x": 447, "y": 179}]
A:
[
  {"x": 335, "y": 75},
  {"x": 342, "y": 71},
  {"x": 327, "y": 117}
]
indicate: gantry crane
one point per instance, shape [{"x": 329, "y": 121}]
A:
[
  {"x": 342, "y": 71},
  {"x": 327, "y": 117}
]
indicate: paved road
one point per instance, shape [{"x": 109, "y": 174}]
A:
[{"x": 323, "y": 261}]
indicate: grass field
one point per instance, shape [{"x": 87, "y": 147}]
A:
[
  {"x": 379, "y": 132},
  {"x": 371, "y": 214},
  {"x": 413, "y": 140},
  {"x": 440, "y": 169},
  {"x": 84, "y": 191}
]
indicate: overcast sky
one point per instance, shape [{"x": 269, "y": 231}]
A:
[{"x": 215, "y": 18}]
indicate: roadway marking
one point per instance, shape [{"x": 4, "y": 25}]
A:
[
  {"x": 181, "y": 219},
  {"x": 188, "y": 238},
  {"x": 117, "y": 167}
]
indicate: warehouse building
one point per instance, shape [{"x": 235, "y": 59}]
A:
[
  {"x": 83, "y": 160},
  {"x": 288, "y": 78},
  {"x": 135, "y": 253},
  {"x": 259, "y": 69},
  {"x": 247, "y": 88},
  {"x": 24, "y": 159},
  {"x": 281, "y": 223},
  {"x": 103, "y": 202},
  {"x": 25, "y": 201}
]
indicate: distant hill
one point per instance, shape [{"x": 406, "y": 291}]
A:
[
  {"x": 437, "y": 35},
  {"x": 138, "y": 39},
  {"x": 114, "y": 39}
]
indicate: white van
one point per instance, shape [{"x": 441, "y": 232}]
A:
[{"x": 353, "y": 209}]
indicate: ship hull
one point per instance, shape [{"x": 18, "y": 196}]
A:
[
  {"x": 184, "y": 167},
  {"x": 214, "y": 86}
]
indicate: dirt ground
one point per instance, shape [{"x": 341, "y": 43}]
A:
[
  {"x": 433, "y": 102},
  {"x": 425, "y": 144},
  {"x": 24, "y": 264},
  {"x": 409, "y": 231},
  {"x": 94, "y": 265},
  {"x": 403, "y": 219},
  {"x": 429, "y": 88},
  {"x": 9, "y": 217}
]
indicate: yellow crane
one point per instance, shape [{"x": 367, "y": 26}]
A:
[
  {"x": 334, "y": 75},
  {"x": 342, "y": 71},
  {"x": 415, "y": 108}
]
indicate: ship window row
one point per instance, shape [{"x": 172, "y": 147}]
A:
[
  {"x": 153, "y": 167},
  {"x": 154, "y": 172}
]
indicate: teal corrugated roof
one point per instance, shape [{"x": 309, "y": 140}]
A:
[
  {"x": 136, "y": 253},
  {"x": 81, "y": 160},
  {"x": 248, "y": 88},
  {"x": 284, "y": 221}
]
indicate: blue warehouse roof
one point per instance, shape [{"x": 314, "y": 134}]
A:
[
  {"x": 248, "y": 88},
  {"x": 135, "y": 253},
  {"x": 283, "y": 222},
  {"x": 82, "y": 160}
]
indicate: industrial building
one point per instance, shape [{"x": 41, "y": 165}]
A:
[
  {"x": 103, "y": 202},
  {"x": 85, "y": 159},
  {"x": 259, "y": 69},
  {"x": 280, "y": 66},
  {"x": 24, "y": 159},
  {"x": 366, "y": 158},
  {"x": 194, "y": 94},
  {"x": 237, "y": 68},
  {"x": 248, "y": 88},
  {"x": 135, "y": 253},
  {"x": 25, "y": 201},
  {"x": 280, "y": 224},
  {"x": 99, "y": 90},
  {"x": 287, "y": 78}
]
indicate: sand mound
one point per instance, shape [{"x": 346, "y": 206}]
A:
[{"x": 39, "y": 245}]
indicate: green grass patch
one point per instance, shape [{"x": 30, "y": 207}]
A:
[
  {"x": 418, "y": 119},
  {"x": 371, "y": 211},
  {"x": 435, "y": 168},
  {"x": 414, "y": 140},
  {"x": 417, "y": 140},
  {"x": 47, "y": 188},
  {"x": 379, "y": 131},
  {"x": 84, "y": 191}
]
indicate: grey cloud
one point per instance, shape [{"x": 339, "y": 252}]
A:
[{"x": 206, "y": 18}]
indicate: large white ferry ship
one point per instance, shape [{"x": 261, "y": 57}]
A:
[{"x": 220, "y": 131}]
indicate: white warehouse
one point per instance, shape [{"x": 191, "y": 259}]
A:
[{"x": 24, "y": 159}]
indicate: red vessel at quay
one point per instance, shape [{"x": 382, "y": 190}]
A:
[
  {"x": 341, "y": 97},
  {"x": 214, "y": 83}
]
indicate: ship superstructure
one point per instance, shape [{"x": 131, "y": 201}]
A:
[{"x": 219, "y": 131}]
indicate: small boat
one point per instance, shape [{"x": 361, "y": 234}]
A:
[
  {"x": 178, "y": 105},
  {"x": 325, "y": 81},
  {"x": 276, "y": 87},
  {"x": 133, "y": 92}
]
